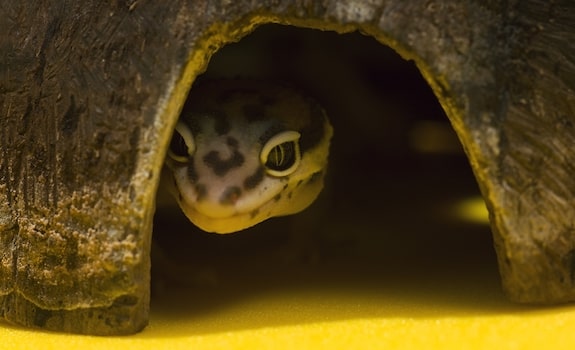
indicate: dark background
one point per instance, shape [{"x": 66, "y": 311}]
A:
[{"x": 397, "y": 178}]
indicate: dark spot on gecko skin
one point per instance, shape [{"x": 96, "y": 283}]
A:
[
  {"x": 285, "y": 187},
  {"x": 194, "y": 126},
  {"x": 201, "y": 192},
  {"x": 222, "y": 166},
  {"x": 221, "y": 123},
  {"x": 254, "y": 213},
  {"x": 285, "y": 179},
  {"x": 290, "y": 194},
  {"x": 315, "y": 177},
  {"x": 277, "y": 197},
  {"x": 255, "y": 179},
  {"x": 232, "y": 142},
  {"x": 193, "y": 119},
  {"x": 230, "y": 195},
  {"x": 192, "y": 173}
]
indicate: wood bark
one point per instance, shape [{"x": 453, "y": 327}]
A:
[{"x": 90, "y": 91}]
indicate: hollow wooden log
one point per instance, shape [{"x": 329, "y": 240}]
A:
[{"x": 90, "y": 92}]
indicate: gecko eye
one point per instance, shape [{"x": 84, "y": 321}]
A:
[
  {"x": 182, "y": 145},
  {"x": 281, "y": 155}
]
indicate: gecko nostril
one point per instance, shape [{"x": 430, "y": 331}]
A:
[{"x": 230, "y": 195}]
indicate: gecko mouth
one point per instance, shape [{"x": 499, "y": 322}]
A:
[
  {"x": 229, "y": 219},
  {"x": 222, "y": 218},
  {"x": 232, "y": 222}
]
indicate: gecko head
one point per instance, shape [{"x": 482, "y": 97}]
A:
[{"x": 245, "y": 151}]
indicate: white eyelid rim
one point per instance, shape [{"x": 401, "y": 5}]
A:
[
  {"x": 186, "y": 134},
  {"x": 278, "y": 139}
]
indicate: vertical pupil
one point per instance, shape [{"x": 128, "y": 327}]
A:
[
  {"x": 281, "y": 157},
  {"x": 277, "y": 156}
]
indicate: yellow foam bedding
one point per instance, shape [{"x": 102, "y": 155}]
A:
[
  {"x": 434, "y": 286},
  {"x": 334, "y": 307}
]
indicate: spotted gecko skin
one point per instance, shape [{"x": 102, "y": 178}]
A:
[{"x": 245, "y": 151}]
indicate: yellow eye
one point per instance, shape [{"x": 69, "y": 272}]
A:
[
  {"x": 182, "y": 145},
  {"x": 281, "y": 154}
]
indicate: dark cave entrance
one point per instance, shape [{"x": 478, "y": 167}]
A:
[{"x": 402, "y": 200}]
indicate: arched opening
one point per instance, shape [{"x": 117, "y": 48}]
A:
[{"x": 397, "y": 221}]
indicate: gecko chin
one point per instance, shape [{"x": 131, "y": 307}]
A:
[{"x": 231, "y": 219}]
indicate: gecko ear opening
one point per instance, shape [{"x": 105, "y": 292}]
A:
[
  {"x": 281, "y": 154},
  {"x": 182, "y": 145}
]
